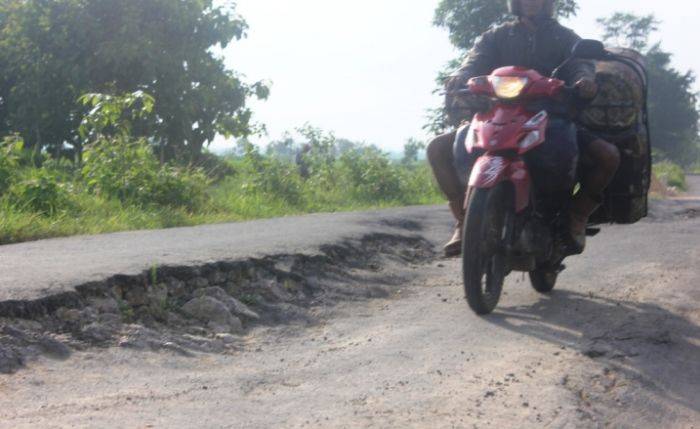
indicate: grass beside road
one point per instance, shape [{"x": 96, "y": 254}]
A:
[
  {"x": 121, "y": 186},
  {"x": 57, "y": 205},
  {"x": 46, "y": 202},
  {"x": 671, "y": 175},
  {"x": 95, "y": 215}
]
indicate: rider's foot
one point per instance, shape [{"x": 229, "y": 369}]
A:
[
  {"x": 581, "y": 209},
  {"x": 454, "y": 246}
]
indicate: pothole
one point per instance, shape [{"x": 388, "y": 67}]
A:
[{"x": 202, "y": 309}]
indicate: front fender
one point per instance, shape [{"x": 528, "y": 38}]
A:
[
  {"x": 491, "y": 170},
  {"x": 488, "y": 172}
]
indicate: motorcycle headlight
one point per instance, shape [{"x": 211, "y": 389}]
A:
[{"x": 509, "y": 87}]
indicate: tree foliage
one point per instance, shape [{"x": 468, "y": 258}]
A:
[
  {"x": 673, "y": 104},
  {"x": 626, "y": 29},
  {"x": 117, "y": 165},
  {"x": 54, "y": 51},
  {"x": 412, "y": 151},
  {"x": 315, "y": 168},
  {"x": 468, "y": 19}
]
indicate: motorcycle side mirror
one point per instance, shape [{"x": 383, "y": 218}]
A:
[{"x": 588, "y": 49}]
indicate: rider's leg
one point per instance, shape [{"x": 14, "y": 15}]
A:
[
  {"x": 441, "y": 158},
  {"x": 604, "y": 160},
  {"x": 600, "y": 163},
  {"x": 553, "y": 164}
]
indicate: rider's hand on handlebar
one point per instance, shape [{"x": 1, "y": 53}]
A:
[
  {"x": 586, "y": 89},
  {"x": 463, "y": 105}
]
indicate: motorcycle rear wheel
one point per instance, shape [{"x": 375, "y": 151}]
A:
[{"x": 483, "y": 252}]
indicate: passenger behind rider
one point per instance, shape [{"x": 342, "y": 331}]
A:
[{"x": 534, "y": 40}]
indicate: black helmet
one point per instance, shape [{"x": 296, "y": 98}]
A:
[{"x": 514, "y": 7}]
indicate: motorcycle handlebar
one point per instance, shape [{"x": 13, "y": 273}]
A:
[
  {"x": 568, "y": 100},
  {"x": 567, "y": 91}
]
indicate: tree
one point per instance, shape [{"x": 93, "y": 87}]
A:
[
  {"x": 54, "y": 51},
  {"x": 626, "y": 29},
  {"x": 466, "y": 20},
  {"x": 673, "y": 105},
  {"x": 412, "y": 151},
  {"x": 285, "y": 149}
]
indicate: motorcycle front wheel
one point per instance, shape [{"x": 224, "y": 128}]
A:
[{"x": 483, "y": 246}]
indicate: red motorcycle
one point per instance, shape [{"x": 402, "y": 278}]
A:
[{"x": 509, "y": 226}]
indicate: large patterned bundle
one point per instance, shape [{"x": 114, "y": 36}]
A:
[
  {"x": 618, "y": 106},
  {"x": 617, "y": 115}
]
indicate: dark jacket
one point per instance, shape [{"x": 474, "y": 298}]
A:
[{"x": 514, "y": 44}]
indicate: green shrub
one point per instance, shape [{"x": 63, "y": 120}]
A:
[
  {"x": 129, "y": 171},
  {"x": 217, "y": 168},
  {"x": 115, "y": 165},
  {"x": 269, "y": 175},
  {"x": 368, "y": 175},
  {"x": 41, "y": 191},
  {"x": 179, "y": 187},
  {"x": 10, "y": 155},
  {"x": 671, "y": 174},
  {"x": 418, "y": 186}
]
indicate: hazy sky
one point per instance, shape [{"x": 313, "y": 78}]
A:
[{"x": 365, "y": 69}]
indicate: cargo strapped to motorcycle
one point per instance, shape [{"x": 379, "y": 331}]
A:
[{"x": 619, "y": 115}]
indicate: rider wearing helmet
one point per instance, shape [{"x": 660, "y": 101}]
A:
[{"x": 536, "y": 41}]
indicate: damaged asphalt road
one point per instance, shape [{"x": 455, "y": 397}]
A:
[
  {"x": 34, "y": 270},
  {"x": 370, "y": 332}
]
